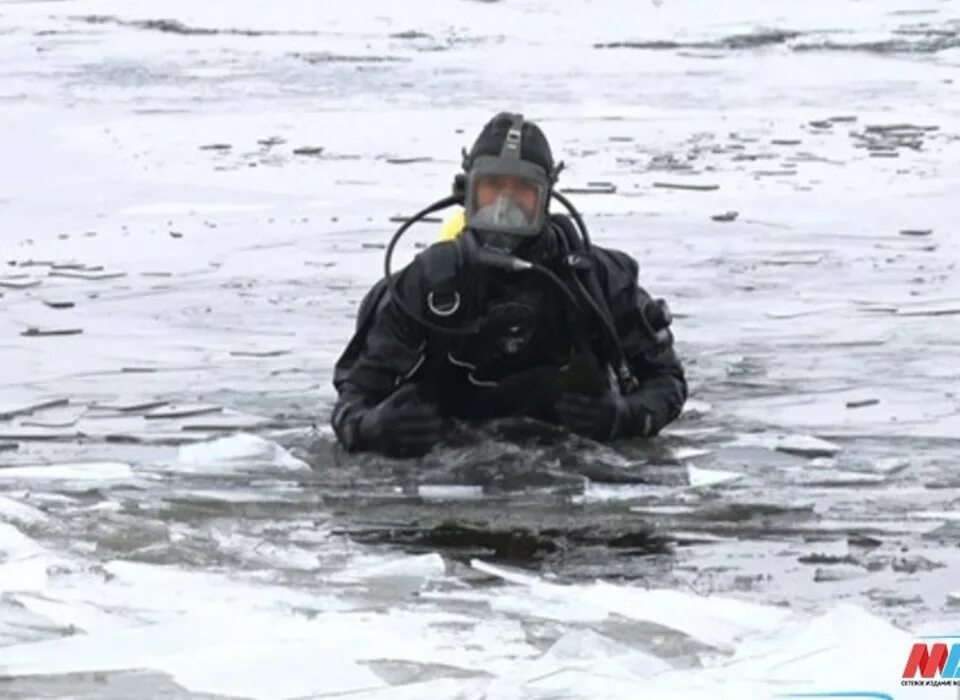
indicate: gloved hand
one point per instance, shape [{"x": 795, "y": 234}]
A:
[
  {"x": 600, "y": 418},
  {"x": 402, "y": 425}
]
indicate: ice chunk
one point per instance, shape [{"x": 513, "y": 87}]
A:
[
  {"x": 13, "y": 511},
  {"x": 805, "y": 650},
  {"x": 256, "y": 550},
  {"x": 696, "y": 408},
  {"x": 665, "y": 511},
  {"x": 161, "y": 591},
  {"x": 167, "y": 411},
  {"x": 839, "y": 572},
  {"x": 11, "y": 409},
  {"x": 691, "y": 433},
  {"x": 23, "y": 575},
  {"x": 407, "y": 569},
  {"x": 890, "y": 465},
  {"x": 800, "y": 445},
  {"x": 683, "y": 453},
  {"x": 840, "y": 478},
  {"x": 712, "y": 620},
  {"x": 450, "y": 492},
  {"x": 587, "y": 645},
  {"x": 18, "y": 624},
  {"x": 298, "y": 667},
  {"x": 523, "y": 603},
  {"x": 78, "y": 471},
  {"x": 14, "y": 544},
  {"x": 85, "y": 617},
  {"x": 612, "y": 492},
  {"x": 241, "y": 452},
  {"x": 948, "y": 515},
  {"x": 23, "y": 563},
  {"x": 806, "y": 446},
  {"x": 226, "y": 651},
  {"x": 710, "y": 477}
]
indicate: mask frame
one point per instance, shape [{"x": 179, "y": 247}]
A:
[
  {"x": 508, "y": 164},
  {"x": 490, "y": 166}
]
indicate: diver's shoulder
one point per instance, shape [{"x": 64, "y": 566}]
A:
[
  {"x": 611, "y": 262},
  {"x": 440, "y": 252},
  {"x": 616, "y": 261},
  {"x": 438, "y": 261}
]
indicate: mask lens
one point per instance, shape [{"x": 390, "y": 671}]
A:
[
  {"x": 508, "y": 192},
  {"x": 506, "y": 197}
]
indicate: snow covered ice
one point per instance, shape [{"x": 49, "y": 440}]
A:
[{"x": 194, "y": 198}]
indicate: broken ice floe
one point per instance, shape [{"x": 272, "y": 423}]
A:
[
  {"x": 712, "y": 621},
  {"x": 241, "y": 452},
  {"x": 81, "y": 471},
  {"x": 710, "y": 477},
  {"x": 217, "y": 635},
  {"x": 799, "y": 445},
  {"x": 17, "y": 513}
]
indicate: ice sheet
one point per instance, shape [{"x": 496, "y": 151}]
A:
[
  {"x": 212, "y": 261},
  {"x": 83, "y": 471}
]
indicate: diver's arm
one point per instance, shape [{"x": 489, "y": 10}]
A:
[
  {"x": 387, "y": 349},
  {"x": 662, "y": 385},
  {"x": 648, "y": 349}
]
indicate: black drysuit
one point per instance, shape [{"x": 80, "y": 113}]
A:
[{"x": 531, "y": 342}]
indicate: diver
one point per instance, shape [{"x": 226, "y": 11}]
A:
[{"x": 515, "y": 314}]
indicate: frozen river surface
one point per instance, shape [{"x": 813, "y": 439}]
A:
[{"x": 195, "y": 195}]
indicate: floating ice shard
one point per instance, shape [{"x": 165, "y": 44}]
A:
[
  {"x": 13, "y": 511},
  {"x": 298, "y": 664},
  {"x": 14, "y": 544},
  {"x": 79, "y": 471},
  {"x": 76, "y": 616},
  {"x": 711, "y": 620},
  {"x": 802, "y": 651},
  {"x": 684, "y": 453},
  {"x": 241, "y": 452},
  {"x": 23, "y": 562},
  {"x": 800, "y": 445},
  {"x": 228, "y": 651},
  {"x": 24, "y": 575},
  {"x": 588, "y": 645},
  {"x": 710, "y": 477},
  {"x": 530, "y": 604},
  {"x": 807, "y": 446},
  {"x": 696, "y": 408},
  {"x": 166, "y": 411},
  {"x": 839, "y": 478},
  {"x": 948, "y": 515},
  {"x": 411, "y": 570},
  {"x": 162, "y": 592},
  {"x": 17, "y": 624}
]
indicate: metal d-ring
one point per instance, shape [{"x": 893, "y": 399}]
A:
[{"x": 448, "y": 311}]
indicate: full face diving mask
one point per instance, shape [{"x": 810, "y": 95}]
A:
[{"x": 506, "y": 197}]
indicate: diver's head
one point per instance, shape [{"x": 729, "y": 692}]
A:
[{"x": 509, "y": 174}]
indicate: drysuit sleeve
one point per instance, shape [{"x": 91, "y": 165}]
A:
[
  {"x": 387, "y": 347},
  {"x": 647, "y": 343}
]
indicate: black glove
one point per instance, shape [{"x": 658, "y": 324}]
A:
[
  {"x": 402, "y": 425},
  {"x": 600, "y": 418}
]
